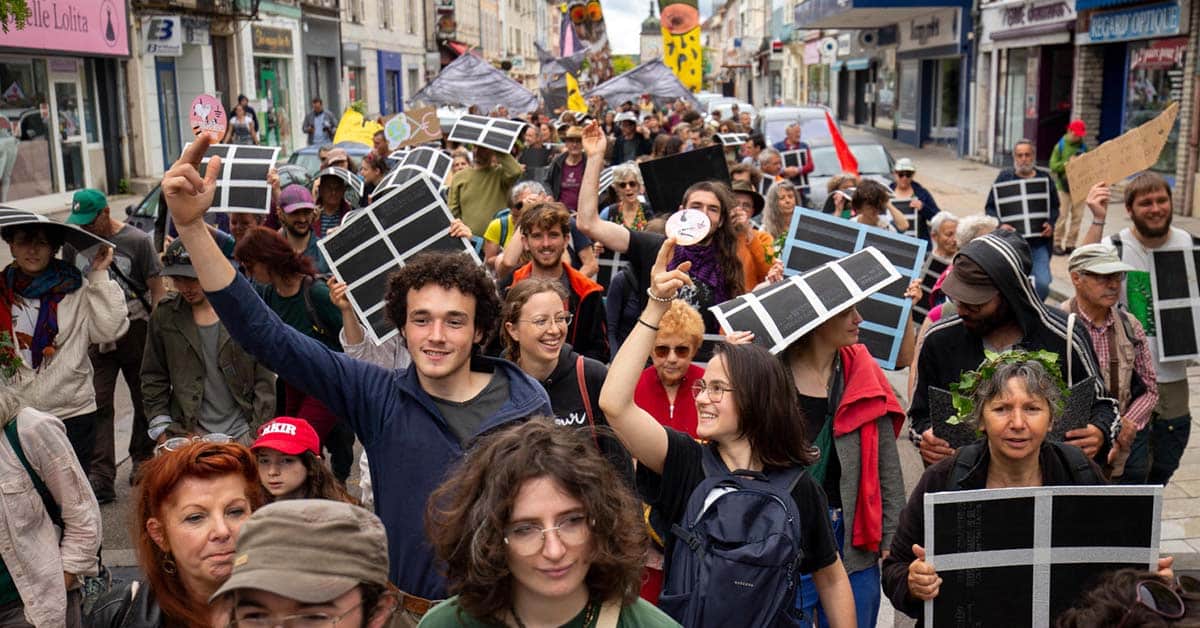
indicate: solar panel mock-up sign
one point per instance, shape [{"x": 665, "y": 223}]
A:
[
  {"x": 816, "y": 238},
  {"x": 374, "y": 243},
  {"x": 1176, "y": 294},
  {"x": 498, "y": 134},
  {"x": 1024, "y": 204},
  {"x": 242, "y": 184}
]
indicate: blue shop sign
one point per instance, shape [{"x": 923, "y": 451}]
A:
[{"x": 1156, "y": 20}]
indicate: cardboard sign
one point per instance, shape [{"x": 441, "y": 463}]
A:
[
  {"x": 498, "y": 134},
  {"x": 375, "y": 242},
  {"x": 416, "y": 126},
  {"x": 667, "y": 178},
  {"x": 688, "y": 226},
  {"x": 208, "y": 116},
  {"x": 352, "y": 181},
  {"x": 1120, "y": 157},
  {"x": 435, "y": 161},
  {"x": 1024, "y": 204},
  {"x": 611, "y": 263},
  {"x": 794, "y": 158},
  {"x": 918, "y": 227},
  {"x": 1022, "y": 556},
  {"x": 1176, "y": 297},
  {"x": 780, "y": 313},
  {"x": 816, "y": 238},
  {"x": 242, "y": 185}
]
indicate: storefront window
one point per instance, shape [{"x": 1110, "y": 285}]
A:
[
  {"x": 1014, "y": 98},
  {"x": 909, "y": 88},
  {"x": 885, "y": 92},
  {"x": 818, "y": 85},
  {"x": 91, "y": 119},
  {"x": 25, "y": 158},
  {"x": 357, "y": 78},
  {"x": 1155, "y": 80}
]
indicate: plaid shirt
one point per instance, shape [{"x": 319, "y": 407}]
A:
[{"x": 1140, "y": 408}]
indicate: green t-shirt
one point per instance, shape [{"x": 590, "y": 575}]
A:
[
  {"x": 640, "y": 614},
  {"x": 294, "y": 312}
]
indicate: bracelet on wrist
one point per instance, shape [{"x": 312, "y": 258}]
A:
[
  {"x": 1099, "y": 223},
  {"x": 647, "y": 324},
  {"x": 655, "y": 297}
]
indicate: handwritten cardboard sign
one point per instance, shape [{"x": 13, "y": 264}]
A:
[
  {"x": 1112, "y": 161},
  {"x": 413, "y": 127}
]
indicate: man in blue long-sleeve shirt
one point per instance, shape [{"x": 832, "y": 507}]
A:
[
  {"x": 415, "y": 423},
  {"x": 1040, "y": 246}
]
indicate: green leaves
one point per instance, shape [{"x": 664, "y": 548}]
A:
[
  {"x": 962, "y": 392},
  {"x": 10, "y": 362}
]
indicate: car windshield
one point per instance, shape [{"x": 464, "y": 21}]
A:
[
  {"x": 872, "y": 159},
  {"x": 813, "y": 129},
  {"x": 310, "y": 162},
  {"x": 825, "y": 162}
]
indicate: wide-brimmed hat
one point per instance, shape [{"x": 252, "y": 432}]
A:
[{"x": 745, "y": 187}]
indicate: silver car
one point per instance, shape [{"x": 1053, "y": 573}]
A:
[{"x": 874, "y": 162}]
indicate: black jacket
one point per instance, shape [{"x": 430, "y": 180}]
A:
[
  {"x": 116, "y": 609},
  {"x": 949, "y": 348},
  {"x": 566, "y": 400},
  {"x": 1057, "y": 470}
]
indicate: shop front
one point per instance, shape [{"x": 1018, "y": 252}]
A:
[
  {"x": 1143, "y": 49},
  {"x": 176, "y": 63},
  {"x": 933, "y": 79},
  {"x": 391, "y": 85},
  {"x": 1027, "y": 75},
  {"x": 279, "y": 111},
  {"x": 321, "y": 41},
  {"x": 60, "y": 97}
]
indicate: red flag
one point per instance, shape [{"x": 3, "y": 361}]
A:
[{"x": 849, "y": 163}]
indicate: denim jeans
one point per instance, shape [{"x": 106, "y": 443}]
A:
[
  {"x": 1040, "y": 248},
  {"x": 864, "y": 584},
  {"x": 1138, "y": 464},
  {"x": 1168, "y": 439}
]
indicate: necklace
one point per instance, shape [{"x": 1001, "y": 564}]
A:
[{"x": 588, "y": 617}]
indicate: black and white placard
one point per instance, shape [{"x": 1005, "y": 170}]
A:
[
  {"x": 351, "y": 180},
  {"x": 1024, "y": 204},
  {"x": 780, "y": 313},
  {"x": 432, "y": 160},
  {"x": 930, "y": 273},
  {"x": 606, "y": 180},
  {"x": 733, "y": 139},
  {"x": 1022, "y": 556},
  {"x": 667, "y": 178},
  {"x": 794, "y": 158},
  {"x": 611, "y": 262},
  {"x": 816, "y": 238},
  {"x": 498, "y": 134},
  {"x": 400, "y": 175},
  {"x": 242, "y": 185},
  {"x": 1173, "y": 282},
  {"x": 374, "y": 243},
  {"x": 917, "y": 227}
]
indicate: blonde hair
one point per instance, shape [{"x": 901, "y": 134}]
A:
[{"x": 684, "y": 320}]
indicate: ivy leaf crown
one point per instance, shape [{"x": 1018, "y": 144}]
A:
[{"x": 962, "y": 392}]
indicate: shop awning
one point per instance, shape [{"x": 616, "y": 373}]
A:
[
  {"x": 857, "y": 14},
  {"x": 1084, "y": 5}
]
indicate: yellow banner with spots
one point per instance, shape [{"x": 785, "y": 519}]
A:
[{"x": 683, "y": 54}]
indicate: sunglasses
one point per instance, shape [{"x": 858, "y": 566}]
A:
[
  {"x": 905, "y": 175},
  {"x": 179, "y": 442},
  {"x": 662, "y": 351},
  {"x": 1161, "y": 599},
  {"x": 626, "y": 184}
]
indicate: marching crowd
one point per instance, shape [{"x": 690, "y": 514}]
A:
[{"x": 544, "y": 446}]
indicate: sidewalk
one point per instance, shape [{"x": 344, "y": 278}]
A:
[{"x": 961, "y": 186}]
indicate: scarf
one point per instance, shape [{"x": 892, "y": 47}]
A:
[
  {"x": 867, "y": 397},
  {"x": 51, "y": 286},
  {"x": 706, "y": 268},
  {"x": 639, "y": 220}
]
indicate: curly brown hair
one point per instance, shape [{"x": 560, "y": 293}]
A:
[
  {"x": 452, "y": 271},
  {"x": 517, "y": 297},
  {"x": 466, "y": 515}
]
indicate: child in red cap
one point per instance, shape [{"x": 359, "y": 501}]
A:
[{"x": 290, "y": 464}]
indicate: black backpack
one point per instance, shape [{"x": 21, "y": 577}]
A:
[{"x": 735, "y": 556}]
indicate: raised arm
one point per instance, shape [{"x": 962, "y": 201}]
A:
[
  {"x": 610, "y": 234},
  {"x": 189, "y": 196},
  {"x": 642, "y": 435},
  {"x": 1097, "y": 202}
]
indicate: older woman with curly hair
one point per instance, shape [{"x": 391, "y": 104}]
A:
[{"x": 535, "y": 528}]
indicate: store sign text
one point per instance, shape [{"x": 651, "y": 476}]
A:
[
  {"x": 1140, "y": 23},
  {"x": 83, "y": 26}
]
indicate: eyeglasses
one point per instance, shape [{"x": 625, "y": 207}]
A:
[
  {"x": 1109, "y": 278},
  {"x": 662, "y": 351},
  {"x": 179, "y": 442},
  {"x": 626, "y": 184},
  {"x": 1159, "y": 598},
  {"x": 542, "y": 322},
  {"x": 905, "y": 175},
  {"x": 528, "y": 539},
  {"x": 257, "y": 619},
  {"x": 716, "y": 392}
]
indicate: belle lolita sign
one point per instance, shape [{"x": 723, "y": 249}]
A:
[{"x": 86, "y": 27}]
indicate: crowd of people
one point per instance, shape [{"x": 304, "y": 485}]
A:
[{"x": 562, "y": 435}]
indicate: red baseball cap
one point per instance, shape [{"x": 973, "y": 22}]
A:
[
  {"x": 289, "y": 435},
  {"x": 1077, "y": 127}
]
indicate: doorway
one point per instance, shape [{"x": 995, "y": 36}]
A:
[
  {"x": 71, "y": 131},
  {"x": 943, "y": 124},
  {"x": 1054, "y": 97},
  {"x": 168, "y": 109}
]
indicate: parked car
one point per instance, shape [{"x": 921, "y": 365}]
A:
[
  {"x": 773, "y": 122},
  {"x": 307, "y": 157},
  {"x": 150, "y": 215},
  {"x": 874, "y": 162},
  {"x": 703, "y": 98},
  {"x": 725, "y": 106}
]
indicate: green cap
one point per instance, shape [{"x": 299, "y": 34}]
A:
[
  {"x": 309, "y": 550},
  {"x": 85, "y": 206}
]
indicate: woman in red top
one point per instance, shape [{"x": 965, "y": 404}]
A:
[{"x": 664, "y": 391}]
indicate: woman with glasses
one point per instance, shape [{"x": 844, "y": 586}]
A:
[
  {"x": 747, "y": 411},
  {"x": 535, "y": 322},
  {"x": 191, "y": 502},
  {"x": 629, "y": 210},
  {"x": 535, "y": 529},
  {"x": 904, "y": 187},
  {"x": 1014, "y": 408}
]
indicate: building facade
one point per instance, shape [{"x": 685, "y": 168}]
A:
[{"x": 383, "y": 53}]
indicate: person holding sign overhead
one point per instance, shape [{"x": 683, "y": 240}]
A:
[{"x": 1040, "y": 243}]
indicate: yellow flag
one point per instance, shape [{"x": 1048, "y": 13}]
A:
[
  {"x": 575, "y": 100},
  {"x": 354, "y": 128},
  {"x": 683, "y": 54}
]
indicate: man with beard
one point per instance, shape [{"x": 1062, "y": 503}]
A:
[
  {"x": 544, "y": 231},
  {"x": 1041, "y": 246},
  {"x": 1148, "y": 203},
  {"x": 998, "y": 310},
  {"x": 195, "y": 380},
  {"x": 295, "y": 212}
]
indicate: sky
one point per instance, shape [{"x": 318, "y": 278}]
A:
[{"x": 623, "y": 21}]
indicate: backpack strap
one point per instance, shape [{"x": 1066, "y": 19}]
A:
[
  {"x": 52, "y": 507},
  {"x": 317, "y": 326},
  {"x": 587, "y": 402},
  {"x": 966, "y": 458}
]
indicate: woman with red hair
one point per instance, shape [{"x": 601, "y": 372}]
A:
[
  {"x": 290, "y": 289},
  {"x": 191, "y": 504}
]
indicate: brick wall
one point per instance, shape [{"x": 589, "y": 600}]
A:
[
  {"x": 1089, "y": 75},
  {"x": 1185, "y": 157}
]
